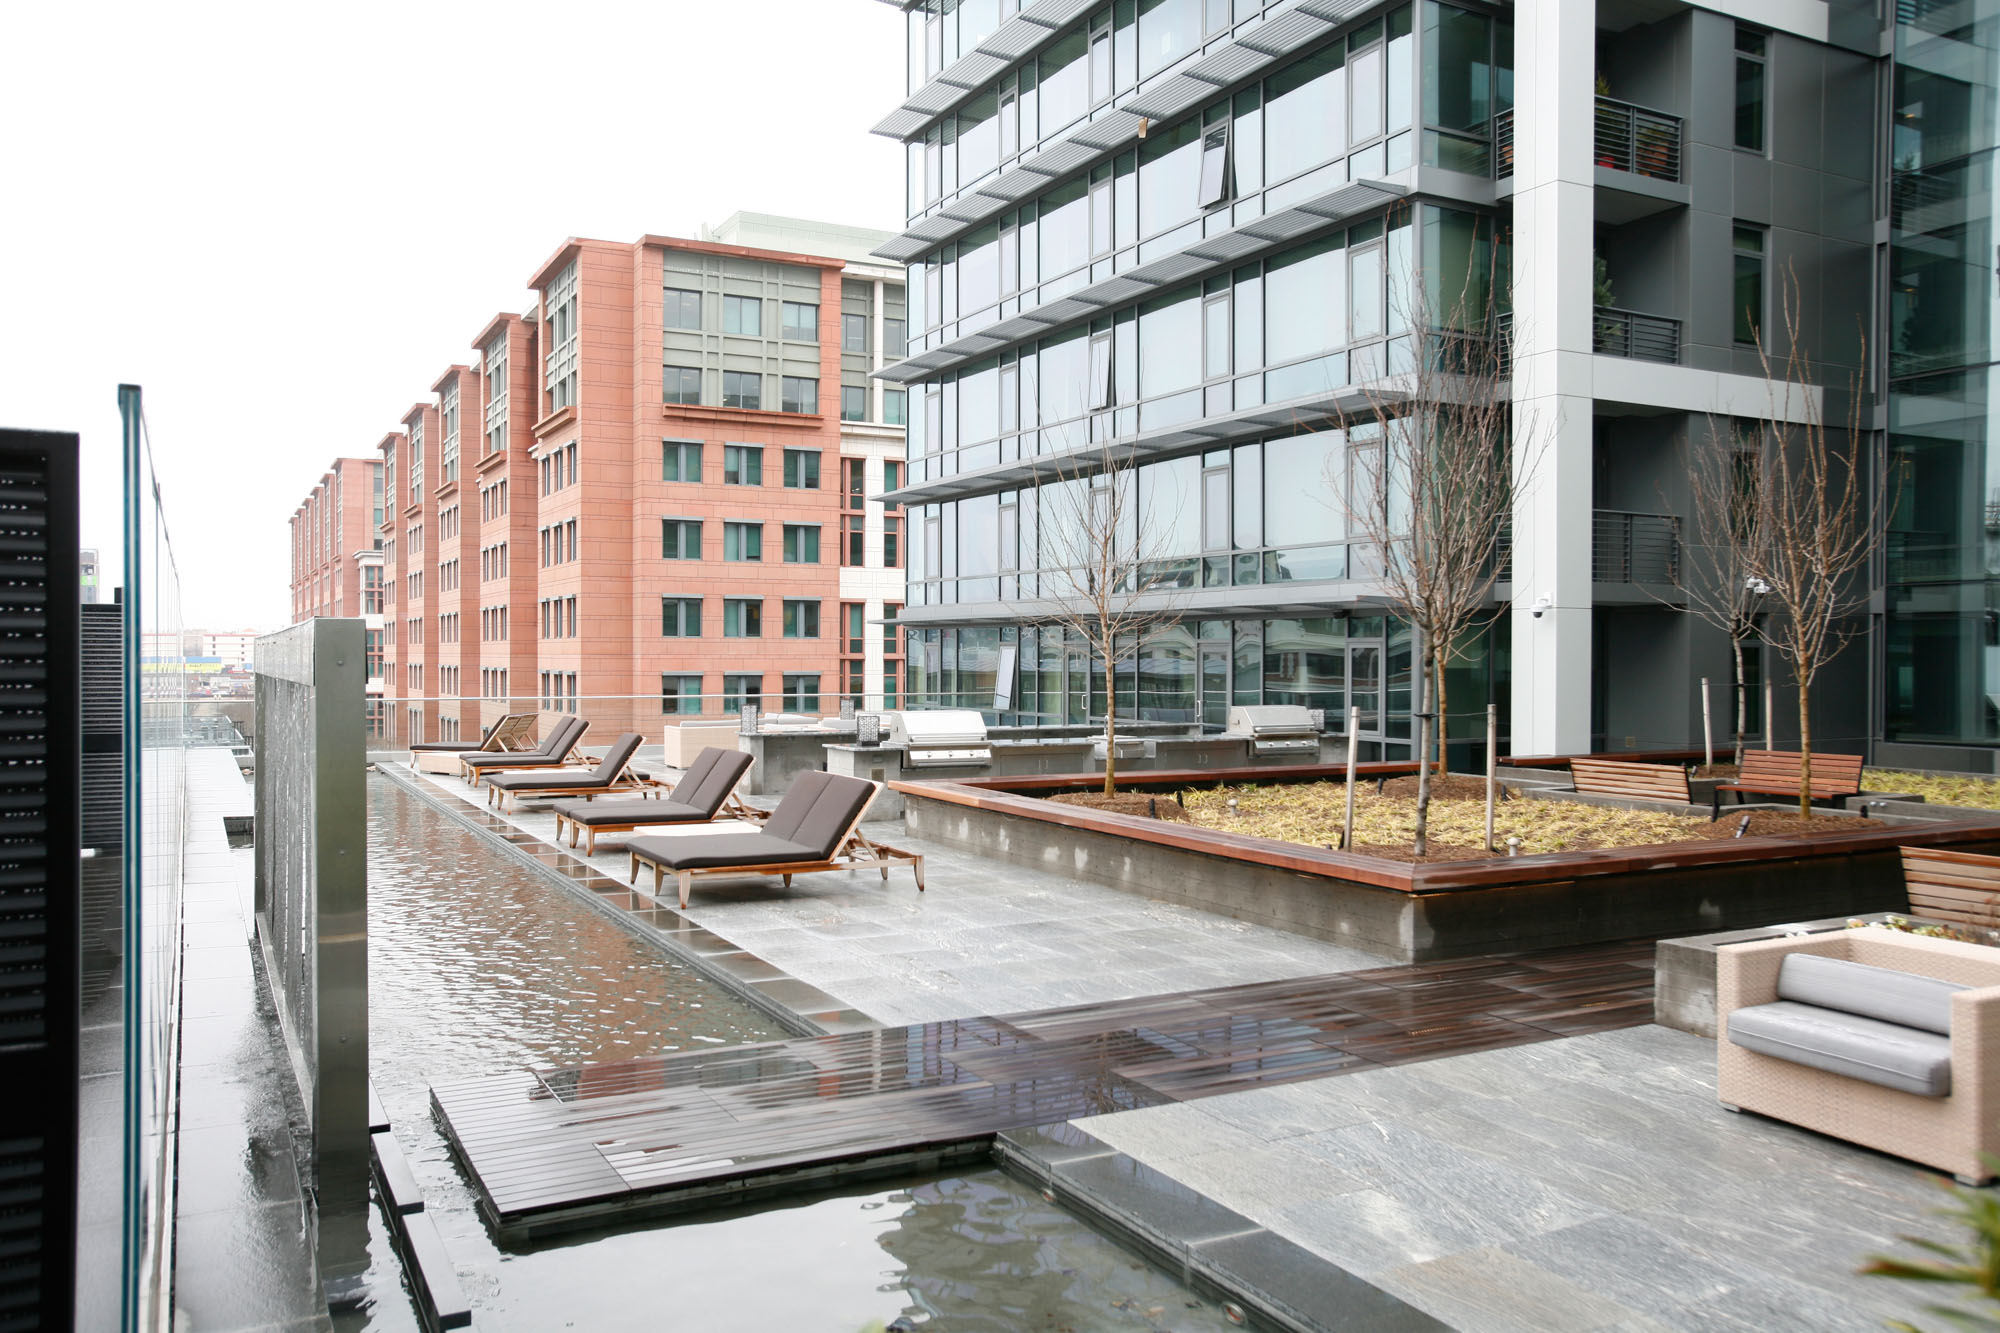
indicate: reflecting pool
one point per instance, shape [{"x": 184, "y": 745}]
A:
[{"x": 478, "y": 965}]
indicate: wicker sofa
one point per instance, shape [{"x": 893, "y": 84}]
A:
[{"x": 1888, "y": 1059}]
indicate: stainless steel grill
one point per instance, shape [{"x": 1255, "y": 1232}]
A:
[
  {"x": 940, "y": 737},
  {"x": 1276, "y": 729}
]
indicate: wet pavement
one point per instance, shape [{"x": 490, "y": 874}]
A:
[{"x": 242, "y": 1259}]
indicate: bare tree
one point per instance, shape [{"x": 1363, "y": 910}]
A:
[
  {"x": 1432, "y": 465},
  {"x": 1720, "y": 571},
  {"x": 1107, "y": 577},
  {"x": 1822, "y": 519}
]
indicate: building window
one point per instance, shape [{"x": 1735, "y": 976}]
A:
[
  {"x": 800, "y": 322},
  {"x": 680, "y": 694},
  {"x": 891, "y": 558},
  {"x": 742, "y": 465},
  {"x": 683, "y": 309},
  {"x": 742, "y": 689},
  {"x": 681, "y": 384},
  {"x": 895, "y": 407},
  {"x": 742, "y": 617},
  {"x": 801, "y": 619},
  {"x": 801, "y": 693},
  {"x": 798, "y": 394},
  {"x": 895, "y": 338},
  {"x": 742, "y": 388},
  {"x": 680, "y": 539},
  {"x": 743, "y": 314},
  {"x": 680, "y": 617},
  {"x": 374, "y": 654},
  {"x": 854, "y": 549},
  {"x": 742, "y": 541},
  {"x": 1749, "y": 89},
  {"x": 801, "y": 543},
  {"x": 853, "y": 403},
  {"x": 371, "y": 591},
  {"x": 854, "y": 333},
  {"x": 1749, "y": 294},
  {"x": 680, "y": 460},
  {"x": 802, "y": 469},
  {"x": 1214, "y": 167},
  {"x": 892, "y": 476}
]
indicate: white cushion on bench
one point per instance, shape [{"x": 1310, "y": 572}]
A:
[{"x": 1890, "y": 1054}]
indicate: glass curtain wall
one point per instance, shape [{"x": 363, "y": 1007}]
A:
[{"x": 1941, "y": 639}]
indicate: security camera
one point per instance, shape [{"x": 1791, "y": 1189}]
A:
[{"x": 1541, "y": 604}]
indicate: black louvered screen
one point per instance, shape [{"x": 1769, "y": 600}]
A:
[{"x": 40, "y": 753}]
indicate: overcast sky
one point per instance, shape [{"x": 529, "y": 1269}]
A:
[{"x": 285, "y": 221}]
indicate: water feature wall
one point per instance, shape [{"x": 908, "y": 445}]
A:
[{"x": 312, "y": 908}]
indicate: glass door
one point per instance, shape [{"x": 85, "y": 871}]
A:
[
  {"x": 1214, "y": 686},
  {"x": 1364, "y": 689}
]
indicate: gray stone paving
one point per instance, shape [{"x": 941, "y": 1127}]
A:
[
  {"x": 986, "y": 938},
  {"x": 1591, "y": 1183}
]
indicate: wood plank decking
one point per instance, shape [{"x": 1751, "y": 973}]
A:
[{"x": 558, "y": 1149}]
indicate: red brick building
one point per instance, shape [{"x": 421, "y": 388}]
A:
[{"x": 656, "y": 495}]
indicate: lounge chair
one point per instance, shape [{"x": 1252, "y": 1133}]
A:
[
  {"x": 816, "y": 827},
  {"x": 612, "y": 773},
  {"x": 511, "y": 734},
  {"x": 707, "y": 791},
  {"x": 553, "y": 752}
]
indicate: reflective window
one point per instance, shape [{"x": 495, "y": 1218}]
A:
[
  {"x": 1749, "y": 89},
  {"x": 681, "y": 384},
  {"x": 1305, "y": 306},
  {"x": 1305, "y": 110},
  {"x": 742, "y": 465},
  {"x": 854, "y": 333},
  {"x": 802, "y": 468},
  {"x": 1170, "y": 343},
  {"x": 1168, "y": 30},
  {"x": 742, "y": 617},
  {"x": 680, "y": 538},
  {"x": 683, "y": 309},
  {"x": 742, "y": 314},
  {"x": 742, "y": 389},
  {"x": 680, "y": 617},
  {"x": 798, "y": 395},
  {"x": 853, "y": 403},
  {"x": 1749, "y": 287},
  {"x": 742, "y": 541},
  {"x": 801, "y": 322}
]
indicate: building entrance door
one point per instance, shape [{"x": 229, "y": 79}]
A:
[
  {"x": 1214, "y": 686},
  {"x": 1364, "y": 691}
]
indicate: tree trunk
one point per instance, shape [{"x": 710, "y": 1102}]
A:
[
  {"x": 1742, "y": 699},
  {"x": 1443, "y": 732},
  {"x": 1420, "y": 660},
  {"x": 1805, "y": 749},
  {"x": 1110, "y": 727}
]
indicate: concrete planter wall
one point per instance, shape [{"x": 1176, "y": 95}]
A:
[{"x": 1418, "y": 913}]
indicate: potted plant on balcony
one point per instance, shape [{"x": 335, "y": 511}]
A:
[{"x": 1604, "y": 333}]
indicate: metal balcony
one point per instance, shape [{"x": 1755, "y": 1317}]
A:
[
  {"x": 1634, "y": 548},
  {"x": 1503, "y": 144},
  {"x": 1624, "y": 548},
  {"x": 1628, "y": 333},
  {"x": 1638, "y": 139}
]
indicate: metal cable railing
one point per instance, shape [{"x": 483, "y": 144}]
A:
[
  {"x": 1632, "y": 334},
  {"x": 1634, "y": 548},
  {"x": 1638, "y": 139},
  {"x": 1503, "y": 144}
]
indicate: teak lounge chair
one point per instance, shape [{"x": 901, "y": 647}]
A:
[
  {"x": 553, "y": 752},
  {"x": 511, "y": 734},
  {"x": 613, "y": 773},
  {"x": 816, "y": 827},
  {"x": 706, "y": 792}
]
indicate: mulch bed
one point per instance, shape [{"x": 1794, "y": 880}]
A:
[{"x": 1128, "y": 803}]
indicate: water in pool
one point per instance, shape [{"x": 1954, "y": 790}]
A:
[{"x": 478, "y": 965}]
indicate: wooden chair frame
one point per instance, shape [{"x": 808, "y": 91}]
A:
[
  {"x": 732, "y": 807},
  {"x": 855, "y": 851},
  {"x": 473, "y": 773}
]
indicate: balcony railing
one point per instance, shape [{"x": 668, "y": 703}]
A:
[
  {"x": 1641, "y": 337},
  {"x": 1624, "y": 548},
  {"x": 1634, "y": 548},
  {"x": 1639, "y": 140},
  {"x": 1503, "y": 144}
]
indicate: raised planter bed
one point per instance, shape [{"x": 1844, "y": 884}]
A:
[{"x": 1434, "y": 910}]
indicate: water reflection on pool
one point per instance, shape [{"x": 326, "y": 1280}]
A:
[{"x": 478, "y": 965}]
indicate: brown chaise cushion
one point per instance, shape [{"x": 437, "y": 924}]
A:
[
  {"x": 711, "y": 850},
  {"x": 710, "y": 778},
  {"x": 594, "y": 814},
  {"x": 551, "y": 751}
]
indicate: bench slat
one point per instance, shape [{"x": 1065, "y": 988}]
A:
[{"x": 1603, "y": 777}]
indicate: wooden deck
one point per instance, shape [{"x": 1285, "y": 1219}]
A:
[{"x": 558, "y": 1149}]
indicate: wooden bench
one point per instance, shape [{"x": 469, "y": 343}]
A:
[
  {"x": 1776, "y": 773},
  {"x": 1962, "y": 888},
  {"x": 1649, "y": 782}
]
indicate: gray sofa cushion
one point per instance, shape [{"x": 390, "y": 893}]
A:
[
  {"x": 1891, "y": 1054},
  {"x": 1871, "y": 992}
]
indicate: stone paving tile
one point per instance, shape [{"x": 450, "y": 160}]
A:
[
  {"x": 1590, "y": 1183},
  {"x": 987, "y": 938}
]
